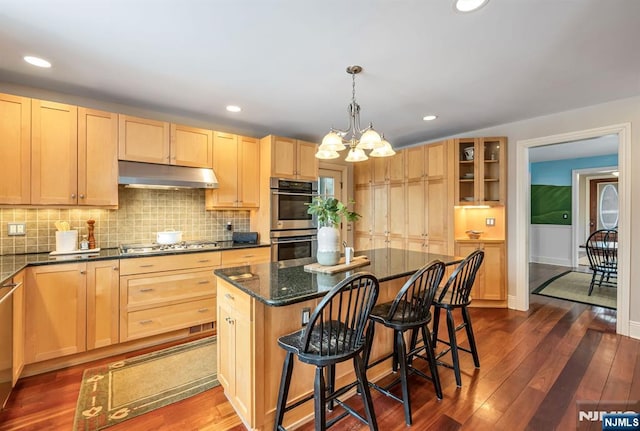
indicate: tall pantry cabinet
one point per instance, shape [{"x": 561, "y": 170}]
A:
[
  {"x": 401, "y": 203},
  {"x": 427, "y": 198}
]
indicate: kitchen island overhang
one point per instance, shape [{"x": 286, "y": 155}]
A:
[{"x": 256, "y": 304}]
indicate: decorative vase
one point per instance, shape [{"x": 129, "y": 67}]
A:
[{"x": 328, "y": 245}]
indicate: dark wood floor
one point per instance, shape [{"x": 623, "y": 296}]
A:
[{"x": 535, "y": 365}]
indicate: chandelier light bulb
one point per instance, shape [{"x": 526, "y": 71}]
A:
[
  {"x": 332, "y": 142},
  {"x": 369, "y": 140},
  {"x": 326, "y": 154},
  {"x": 383, "y": 150},
  {"x": 356, "y": 155}
]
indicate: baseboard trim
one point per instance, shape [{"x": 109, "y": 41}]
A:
[
  {"x": 511, "y": 302},
  {"x": 551, "y": 261},
  {"x": 634, "y": 329}
]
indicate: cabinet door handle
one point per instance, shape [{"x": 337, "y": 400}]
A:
[
  {"x": 146, "y": 266},
  {"x": 115, "y": 268},
  {"x": 83, "y": 272},
  {"x": 204, "y": 282},
  {"x": 204, "y": 260},
  {"x": 247, "y": 256},
  {"x": 81, "y": 196},
  {"x": 73, "y": 195},
  {"x": 147, "y": 289},
  {"x": 203, "y": 310},
  {"x": 229, "y": 296},
  {"x": 145, "y": 322}
]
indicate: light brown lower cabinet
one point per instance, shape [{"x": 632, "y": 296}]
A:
[
  {"x": 250, "y": 360},
  {"x": 490, "y": 288},
  {"x": 156, "y": 297},
  {"x": 18, "y": 327},
  {"x": 70, "y": 308},
  {"x": 235, "y": 334}
]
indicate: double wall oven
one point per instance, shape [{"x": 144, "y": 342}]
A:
[{"x": 293, "y": 230}]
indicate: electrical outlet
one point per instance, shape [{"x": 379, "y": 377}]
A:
[
  {"x": 306, "y": 313},
  {"x": 490, "y": 221},
  {"x": 16, "y": 229}
]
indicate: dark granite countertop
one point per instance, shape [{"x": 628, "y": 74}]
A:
[
  {"x": 12, "y": 264},
  {"x": 283, "y": 283}
]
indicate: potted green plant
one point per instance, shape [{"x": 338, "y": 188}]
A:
[{"x": 329, "y": 211}]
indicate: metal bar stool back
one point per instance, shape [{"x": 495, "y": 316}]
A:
[
  {"x": 456, "y": 294},
  {"x": 335, "y": 333},
  {"x": 409, "y": 311}
]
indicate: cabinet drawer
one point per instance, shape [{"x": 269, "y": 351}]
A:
[
  {"x": 144, "y": 290},
  {"x": 158, "y": 320},
  {"x": 246, "y": 256},
  {"x": 234, "y": 298},
  {"x": 143, "y": 265}
]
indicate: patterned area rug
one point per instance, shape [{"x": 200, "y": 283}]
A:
[
  {"x": 574, "y": 286},
  {"x": 122, "y": 390}
]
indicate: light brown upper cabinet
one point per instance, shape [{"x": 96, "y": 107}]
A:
[
  {"x": 54, "y": 153},
  {"x": 191, "y": 146},
  {"x": 480, "y": 171},
  {"x": 143, "y": 140},
  {"x": 73, "y": 155},
  {"x": 97, "y": 158},
  {"x": 236, "y": 163},
  {"x": 15, "y": 149},
  {"x": 292, "y": 158},
  {"x": 152, "y": 141}
]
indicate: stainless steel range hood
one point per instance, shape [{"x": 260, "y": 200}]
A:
[{"x": 149, "y": 175}]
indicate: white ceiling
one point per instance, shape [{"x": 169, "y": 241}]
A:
[{"x": 283, "y": 61}]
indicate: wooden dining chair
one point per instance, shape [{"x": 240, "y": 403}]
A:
[{"x": 602, "y": 252}]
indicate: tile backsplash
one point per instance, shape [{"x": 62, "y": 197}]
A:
[{"x": 141, "y": 213}]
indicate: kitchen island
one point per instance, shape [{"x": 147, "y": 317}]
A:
[{"x": 259, "y": 303}]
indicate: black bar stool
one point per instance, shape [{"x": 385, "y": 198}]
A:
[
  {"x": 410, "y": 310},
  {"x": 456, "y": 295},
  {"x": 335, "y": 333}
]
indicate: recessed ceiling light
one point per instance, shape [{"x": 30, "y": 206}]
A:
[
  {"x": 469, "y": 5},
  {"x": 233, "y": 108},
  {"x": 37, "y": 61},
  {"x": 429, "y": 117}
]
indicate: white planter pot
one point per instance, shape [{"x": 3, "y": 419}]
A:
[{"x": 328, "y": 246}]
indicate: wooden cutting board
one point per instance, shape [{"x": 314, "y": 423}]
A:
[{"x": 341, "y": 266}]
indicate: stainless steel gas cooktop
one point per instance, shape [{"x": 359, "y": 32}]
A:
[{"x": 159, "y": 248}]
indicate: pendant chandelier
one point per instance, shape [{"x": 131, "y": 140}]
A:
[{"x": 354, "y": 138}]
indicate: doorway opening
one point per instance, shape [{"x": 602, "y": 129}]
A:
[{"x": 522, "y": 238}]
